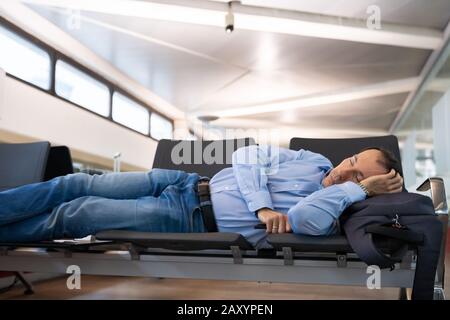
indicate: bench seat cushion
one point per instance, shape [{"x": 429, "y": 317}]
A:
[
  {"x": 178, "y": 241},
  {"x": 334, "y": 243},
  {"x": 302, "y": 243}
]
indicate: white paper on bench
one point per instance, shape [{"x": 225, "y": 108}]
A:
[{"x": 76, "y": 240}]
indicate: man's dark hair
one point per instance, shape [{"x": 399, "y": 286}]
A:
[{"x": 389, "y": 160}]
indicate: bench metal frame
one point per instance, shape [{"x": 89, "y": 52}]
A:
[
  {"x": 125, "y": 258},
  {"x": 310, "y": 268},
  {"x": 285, "y": 265}
]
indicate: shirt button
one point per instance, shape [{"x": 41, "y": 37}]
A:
[
  {"x": 296, "y": 185},
  {"x": 226, "y": 188}
]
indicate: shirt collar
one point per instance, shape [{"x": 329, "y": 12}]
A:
[{"x": 324, "y": 176}]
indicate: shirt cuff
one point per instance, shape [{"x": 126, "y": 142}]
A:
[
  {"x": 353, "y": 191},
  {"x": 258, "y": 200}
]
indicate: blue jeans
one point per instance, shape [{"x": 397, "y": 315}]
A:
[{"x": 78, "y": 205}]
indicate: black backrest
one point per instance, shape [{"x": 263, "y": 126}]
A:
[
  {"x": 337, "y": 150},
  {"x": 59, "y": 162},
  {"x": 205, "y": 157},
  {"x": 22, "y": 163}
]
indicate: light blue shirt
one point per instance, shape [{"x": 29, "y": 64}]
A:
[{"x": 284, "y": 180}]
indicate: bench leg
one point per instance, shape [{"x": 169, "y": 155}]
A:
[
  {"x": 28, "y": 286},
  {"x": 402, "y": 294}
]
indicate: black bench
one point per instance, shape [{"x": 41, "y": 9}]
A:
[
  {"x": 38, "y": 162},
  {"x": 335, "y": 150},
  {"x": 28, "y": 163}
]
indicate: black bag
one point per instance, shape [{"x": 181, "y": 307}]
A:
[{"x": 407, "y": 218}]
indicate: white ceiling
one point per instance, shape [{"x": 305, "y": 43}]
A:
[
  {"x": 424, "y": 13},
  {"x": 201, "y": 69}
]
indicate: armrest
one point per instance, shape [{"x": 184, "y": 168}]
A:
[
  {"x": 436, "y": 185},
  {"x": 303, "y": 243}
]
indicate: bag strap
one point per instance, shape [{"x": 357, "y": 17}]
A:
[{"x": 406, "y": 235}]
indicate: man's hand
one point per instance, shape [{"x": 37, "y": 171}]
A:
[
  {"x": 276, "y": 222},
  {"x": 390, "y": 182}
]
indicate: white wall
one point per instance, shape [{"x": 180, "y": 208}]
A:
[{"x": 32, "y": 113}]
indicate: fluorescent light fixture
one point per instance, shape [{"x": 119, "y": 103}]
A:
[
  {"x": 142, "y": 9},
  {"x": 355, "y": 93},
  {"x": 260, "y": 19}
]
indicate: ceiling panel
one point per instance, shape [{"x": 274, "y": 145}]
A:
[
  {"x": 250, "y": 49},
  {"x": 178, "y": 77},
  {"x": 420, "y": 13},
  {"x": 373, "y": 114},
  {"x": 261, "y": 87},
  {"x": 202, "y": 68},
  {"x": 246, "y": 67}
]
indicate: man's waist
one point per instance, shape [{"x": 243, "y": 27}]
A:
[{"x": 204, "y": 196}]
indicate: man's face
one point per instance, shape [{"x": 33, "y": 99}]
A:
[{"x": 356, "y": 168}]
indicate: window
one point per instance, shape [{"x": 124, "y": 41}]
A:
[
  {"x": 24, "y": 60},
  {"x": 130, "y": 113},
  {"x": 79, "y": 88},
  {"x": 160, "y": 127}
]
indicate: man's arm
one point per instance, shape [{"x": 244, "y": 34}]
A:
[
  {"x": 251, "y": 167},
  {"x": 317, "y": 213},
  {"x": 253, "y": 164}
]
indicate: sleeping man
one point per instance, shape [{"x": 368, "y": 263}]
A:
[{"x": 289, "y": 191}]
